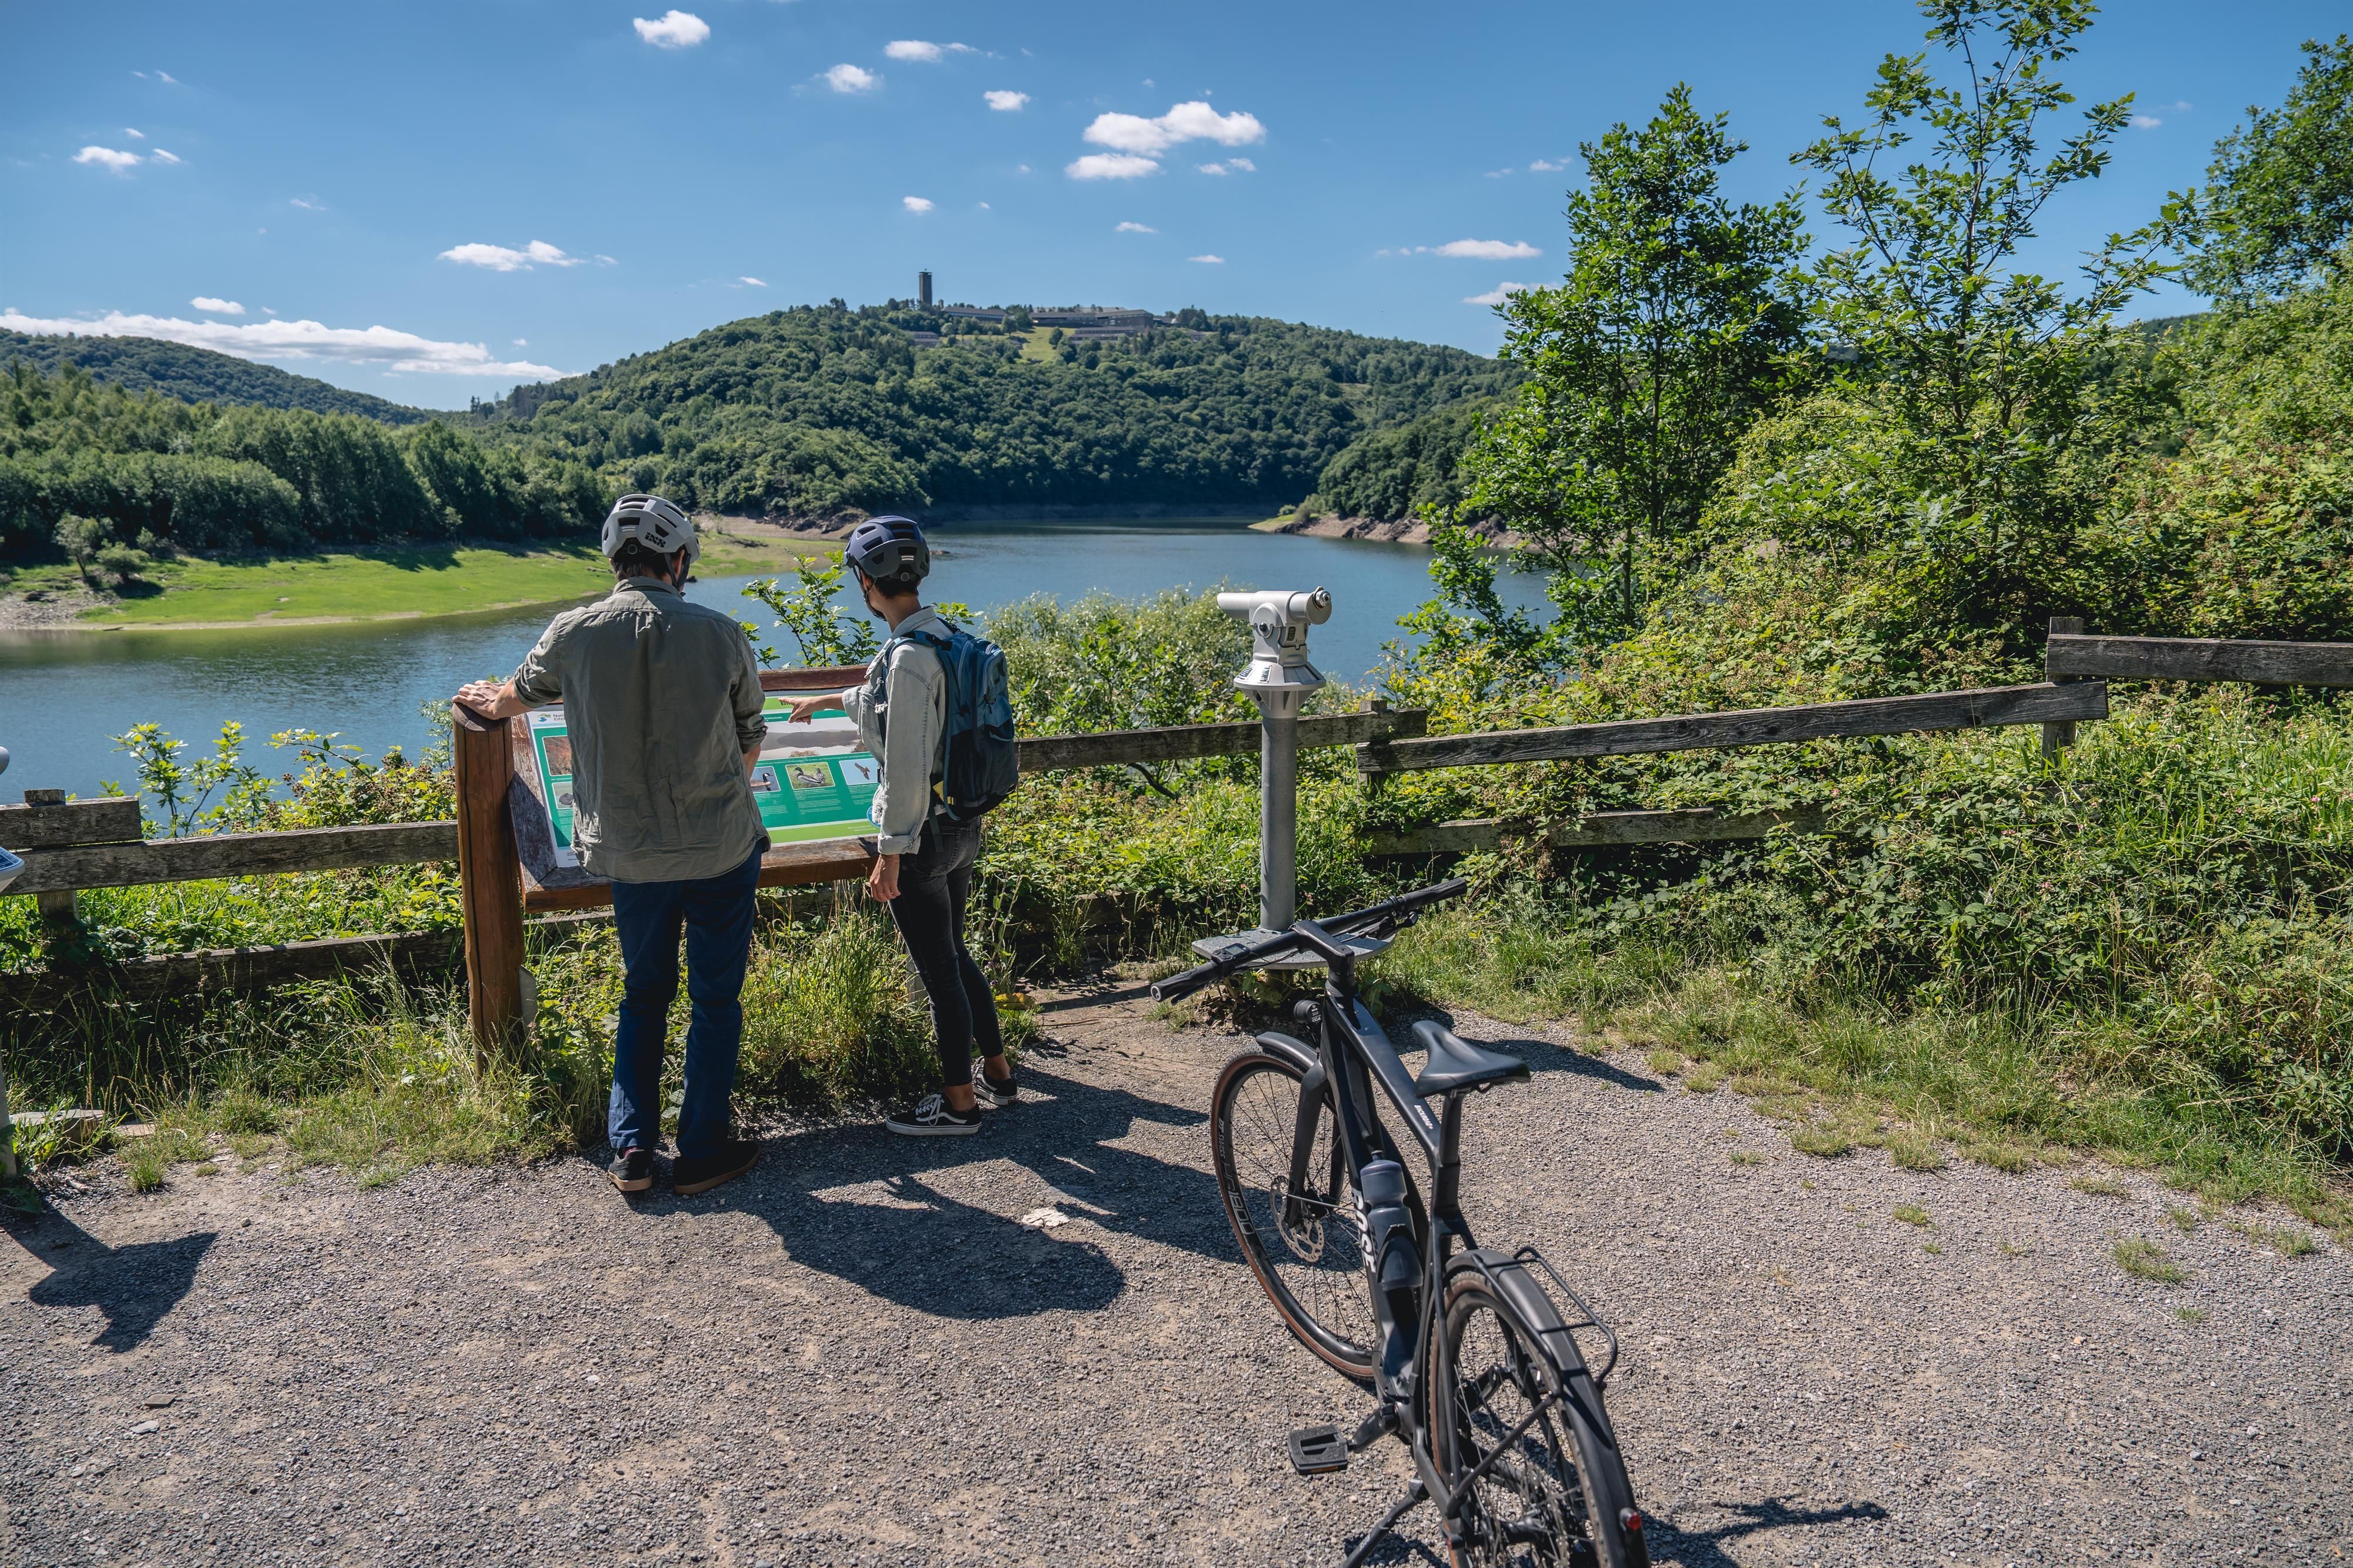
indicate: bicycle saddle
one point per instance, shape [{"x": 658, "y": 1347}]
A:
[{"x": 1456, "y": 1064}]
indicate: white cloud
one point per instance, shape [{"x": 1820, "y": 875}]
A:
[
  {"x": 2181, "y": 106},
  {"x": 2146, "y": 121},
  {"x": 751, "y": 283},
  {"x": 676, "y": 30},
  {"x": 134, "y": 133},
  {"x": 1110, "y": 166},
  {"x": 1213, "y": 168},
  {"x": 380, "y": 346},
  {"x": 1212, "y": 260},
  {"x": 217, "y": 307},
  {"x": 268, "y": 311},
  {"x": 164, "y": 157},
  {"x": 501, "y": 258},
  {"x": 1135, "y": 228},
  {"x": 1006, "y": 102},
  {"x": 1497, "y": 174},
  {"x": 309, "y": 206},
  {"x": 167, "y": 76},
  {"x": 1244, "y": 165},
  {"x": 916, "y": 204},
  {"x": 1498, "y": 294},
  {"x": 848, "y": 77},
  {"x": 1488, "y": 249},
  {"x": 1192, "y": 122},
  {"x": 107, "y": 157},
  {"x": 522, "y": 343},
  {"x": 1020, "y": 168},
  {"x": 912, "y": 49}
]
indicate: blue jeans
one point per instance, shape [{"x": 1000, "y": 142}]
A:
[{"x": 717, "y": 914}]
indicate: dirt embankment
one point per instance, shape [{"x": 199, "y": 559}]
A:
[{"x": 1394, "y": 530}]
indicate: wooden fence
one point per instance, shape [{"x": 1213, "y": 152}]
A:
[{"x": 67, "y": 846}]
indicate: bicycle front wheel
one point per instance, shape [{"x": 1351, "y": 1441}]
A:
[
  {"x": 1552, "y": 1490},
  {"x": 1301, "y": 1236}
]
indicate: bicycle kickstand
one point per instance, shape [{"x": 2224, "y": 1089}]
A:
[{"x": 1414, "y": 1495}]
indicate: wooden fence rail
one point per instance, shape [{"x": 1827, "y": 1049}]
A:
[
  {"x": 1747, "y": 727},
  {"x": 94, "y": 843}
]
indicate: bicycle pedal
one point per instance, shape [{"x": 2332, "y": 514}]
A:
[{"x": 1318, "y": 1450}]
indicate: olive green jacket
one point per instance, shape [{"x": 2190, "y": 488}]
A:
[{"x": 661, "y": 699}]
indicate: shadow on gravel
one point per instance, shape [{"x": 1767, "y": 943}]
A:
[
  {"x": 1545, "y": 1056},
  {"x": 1705, "y": 1548},
  {"x": 909, "y": 1242},
  {"x": 134, "y": 1286}
]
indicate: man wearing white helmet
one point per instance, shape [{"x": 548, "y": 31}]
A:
[{"x": 661, "y": 701}]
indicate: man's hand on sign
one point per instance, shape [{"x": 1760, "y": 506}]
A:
[
  {"x": 884, "y": 881},
  {"x": 806, "y": 708}
]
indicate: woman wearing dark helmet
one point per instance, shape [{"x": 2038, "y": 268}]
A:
[{"x": 923, "y": 868}]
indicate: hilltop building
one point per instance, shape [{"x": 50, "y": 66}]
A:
[{"x": 1079, "y": 323}]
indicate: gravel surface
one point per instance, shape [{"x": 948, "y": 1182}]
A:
[{"x": 861, "y": 1354}]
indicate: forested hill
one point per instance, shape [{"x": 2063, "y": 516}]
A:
[
  {"x": 196, "y": 375},
  {"x": 820, "y": 410}
]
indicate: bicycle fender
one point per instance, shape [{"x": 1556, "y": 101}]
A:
[
  {"x": 1553, "y": 1338},
  {"x": 1293, "y": 1050}
]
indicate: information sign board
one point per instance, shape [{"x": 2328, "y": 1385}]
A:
[{"x": 813, "y": 781}]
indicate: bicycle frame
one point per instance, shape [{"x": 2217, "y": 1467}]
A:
[{"x": 1353, "y": 1053}]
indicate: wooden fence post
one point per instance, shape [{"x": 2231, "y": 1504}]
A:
[
  {"x": 489, "y": 878},
  {"x": 2061, "y": 731},
  {"x": 61, "y": 906}
]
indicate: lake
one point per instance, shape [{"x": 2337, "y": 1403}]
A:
[{"x": 65, "y": 695}]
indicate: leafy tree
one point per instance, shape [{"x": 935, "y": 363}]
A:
[
  {"x": 824, "y": 632},
  {"x": 1664, "y": 342},
  {"x": 1982, "y": 360},
  {"x": 2277, "y": 209}
]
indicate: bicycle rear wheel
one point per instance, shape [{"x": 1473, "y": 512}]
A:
[
  {"x": 1306, "y": 1244},
  {"x": 1554, "y": 1491}
]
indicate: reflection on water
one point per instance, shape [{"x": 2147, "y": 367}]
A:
[{"x": 64, "y": 694}]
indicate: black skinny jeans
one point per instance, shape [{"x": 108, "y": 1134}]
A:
[{"x": 934, "y": 883}]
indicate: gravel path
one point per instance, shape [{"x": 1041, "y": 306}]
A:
[{"x": 862, "y": 1355}]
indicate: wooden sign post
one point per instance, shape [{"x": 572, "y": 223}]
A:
[{"x": 489, "y": 880}]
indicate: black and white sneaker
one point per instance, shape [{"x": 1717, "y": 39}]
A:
[
  {"x": 997, "y": 1092},
  {"x": 933, "y": 1117}
]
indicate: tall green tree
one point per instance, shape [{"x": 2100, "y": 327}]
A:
[
  {"x": 1666, "y": 337},
  {"x": 2277, "y": 209},
  {"x": 1982, "y": 362}
]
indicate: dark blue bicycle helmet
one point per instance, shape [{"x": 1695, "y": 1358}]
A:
[{"x": 889, "y": 548}]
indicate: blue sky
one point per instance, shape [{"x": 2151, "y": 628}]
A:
[{"x": 432, "y": 201}]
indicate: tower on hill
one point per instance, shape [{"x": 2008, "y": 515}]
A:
[{"x": 924, "y": 290}]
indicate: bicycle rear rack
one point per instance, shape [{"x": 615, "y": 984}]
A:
[{"x": 1592, "y": 1318}]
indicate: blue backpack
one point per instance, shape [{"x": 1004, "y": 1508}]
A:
[{"x": 981, "y": 765}]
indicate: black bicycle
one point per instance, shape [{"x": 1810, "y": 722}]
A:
[{"x": 1473, "y": 1366}]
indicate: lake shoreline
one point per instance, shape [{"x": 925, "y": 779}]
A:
[{"x": 408, "y": 582}]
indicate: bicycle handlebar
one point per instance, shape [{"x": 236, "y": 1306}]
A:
[{"x": 1400, "y": 911}]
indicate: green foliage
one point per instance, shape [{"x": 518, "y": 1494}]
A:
[
  {"x": 196, "y": 375},
  {"x": 824, "y": 632},
  {"x": 1104, "y": 663},
  {"x": 1981, "y": 364},
  {"x": 2277, "y": 209},
  {"x": 146, "y": 468},
  {"x": 1667, "y": 337},
  {"x": 1404, "y": 470},
  {"x": 818, "y": 411},
  {"x": 183, "y": 791}
]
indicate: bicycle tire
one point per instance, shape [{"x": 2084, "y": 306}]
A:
[
  {"x": 1556, "y": 1502},
  {"x": 1312, "y": 1273}
]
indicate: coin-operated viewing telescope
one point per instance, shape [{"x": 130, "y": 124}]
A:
[{"x": 1278, "y": 679}]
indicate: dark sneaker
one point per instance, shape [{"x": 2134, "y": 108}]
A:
[
  {"x": 632, "y": 1169},
  {"x": 688, "y": 1177},
  {"x": 999, "y": 1092},
  {"x": 933, "y": 1117}
]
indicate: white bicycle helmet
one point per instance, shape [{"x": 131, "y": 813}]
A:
[{"x": 652, "y": 523}]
